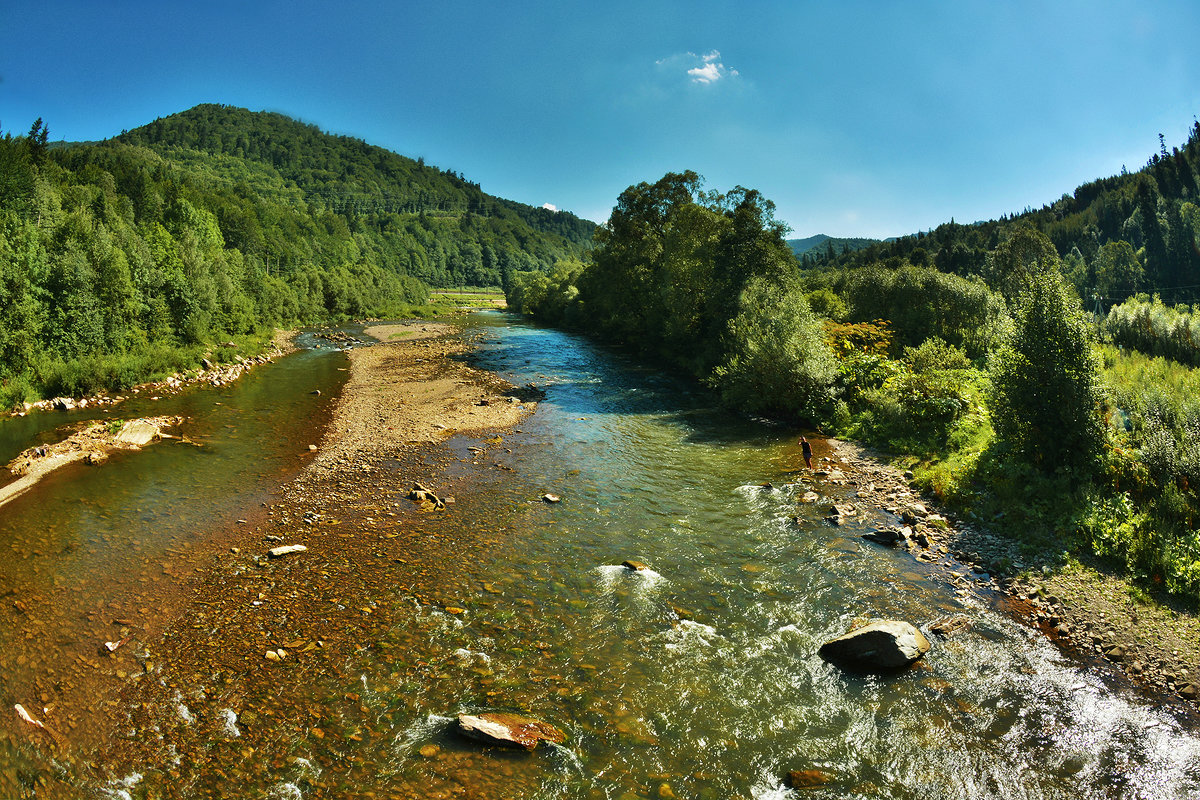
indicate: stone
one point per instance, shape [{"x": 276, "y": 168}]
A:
[
  {"x": 888, "y": 538},
  {"x": 430, "y": 750},
  {"x": 879, "y": 646},
  {"x": 636, "y": 566},
  {"x": 807, "y": 778},
  {"x": 949, "y": 626},
  {"x": 1115, "y": 652},
  {"x": 509, "y": 730},
  {"x": 551, "y": 498},
  {"x": 287, "y": 549},
  {"x": 809, "y": 497}
]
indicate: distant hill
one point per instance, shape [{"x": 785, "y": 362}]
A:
[
  {"x": 818, "y": 242},
  {"x": 483, "y": 237},
  {"x": 137, "y": 256}
]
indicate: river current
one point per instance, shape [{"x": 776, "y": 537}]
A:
[{"x": 697, "y": 678}]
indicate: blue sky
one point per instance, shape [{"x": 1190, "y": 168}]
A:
[{"x": 856, "y": 118}]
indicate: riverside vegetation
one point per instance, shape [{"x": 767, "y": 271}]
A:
[
  {"x": 134, "y": 258},
  {"x": 966, "y": 351}
]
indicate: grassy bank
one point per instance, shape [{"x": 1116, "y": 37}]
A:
[{"x": 115, "y": 372}]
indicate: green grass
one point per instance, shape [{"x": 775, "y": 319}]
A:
[
  {"x": 471, "y": 298},
  {"x": 115, "y": 372}
]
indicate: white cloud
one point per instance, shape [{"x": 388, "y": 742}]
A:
[
  {"x": 550, "y": 206},
  {"x": 711, "y": 70},
  {"x": 704, "y": 69}
]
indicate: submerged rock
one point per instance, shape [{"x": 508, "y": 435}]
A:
[
  {"x": 949, "y": 626},
  {"x": 879, "y": 646},
  {"x": 807, "y": 778},
  {"x": 509, "y": 730}
]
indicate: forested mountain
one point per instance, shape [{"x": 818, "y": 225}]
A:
[
  {"x": 434, "y": 224},
  {"x": 1117, "y": 236},
  {"x": 128, "y": 257},
  {"x": 827, "y": 246}
]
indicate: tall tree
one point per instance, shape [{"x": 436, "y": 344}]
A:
[{"x": 1045, "y": 393}]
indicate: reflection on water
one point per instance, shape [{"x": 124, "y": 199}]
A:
[
  {"x": 695, "y": 678},
  {"x": 89, "y": 553}
]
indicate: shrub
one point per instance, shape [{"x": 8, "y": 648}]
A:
[
  {"x": 777, "y": 358},
  {"x": 1149, "y": 326},
  {"x": 934, "y": 355},
  {"x": 1045, "y": 394}
]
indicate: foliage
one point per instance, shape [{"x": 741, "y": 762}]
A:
[
  {"x": 935, "y": 355},
  {"x": 922, "y": 301},
  {"x": 550, "y": 296},
  {"x": 778, "y": 360},
  {"x": 219, "y": 223},
  {"x": 670, "y": 265},
  {"x": 827, "y": 305},
  {"x": 1146, "y": 324},
  {"x": 1045, "y": 380}
]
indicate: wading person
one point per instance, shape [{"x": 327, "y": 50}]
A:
[{"x": 806, "y": 448}]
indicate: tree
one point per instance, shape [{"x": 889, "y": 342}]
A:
[
  {"x": 1117, "y": 269},
  {"x": 1025, "y": 253},
  {"x": 38, "y": 134},
  {"x": 777, "y": 358},
  {"x": 1045, "y": 391}
]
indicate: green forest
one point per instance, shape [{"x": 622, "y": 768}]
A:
[
  {"x": 1038, "y": 372},
  {"x": 131, "y": 258}
]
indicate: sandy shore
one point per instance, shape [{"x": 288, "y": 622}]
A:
[{"x": 411, "y": 389}]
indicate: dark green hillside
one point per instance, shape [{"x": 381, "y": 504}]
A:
[
  {"x": 124, "y": 259},
  {"x": 827, "y": 246},
  {"x": 1117, "y": 236},
  {"x": 403, "y": 203}
]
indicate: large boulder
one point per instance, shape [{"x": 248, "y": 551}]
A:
[
  {"x": 879, "y": 646},
  {"x": 509, "y": 730}
]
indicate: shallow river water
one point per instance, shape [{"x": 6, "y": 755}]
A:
[{"x": 698, "y": 678}]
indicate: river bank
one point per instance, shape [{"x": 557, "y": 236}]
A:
[
  {"x": 208, "y": 372},
  {"x": 1088, "y": 612}
]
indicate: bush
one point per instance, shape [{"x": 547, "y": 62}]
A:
[
  {"x": 921, "y": 302},
  {"x": 777, "y": 359},
  {"x": 1150, "y": 327},
  {"x": 934, "y": 355},
  {"x": 1045, "y": 394}
]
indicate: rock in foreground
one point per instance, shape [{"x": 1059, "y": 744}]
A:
[
  {"x": 880, "y": 646},
  {"x": 509, "y": 730}
]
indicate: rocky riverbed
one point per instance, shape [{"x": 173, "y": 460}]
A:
[
  {"x": 253, "y": 656},
  {"x": 1089, "y": 613}
]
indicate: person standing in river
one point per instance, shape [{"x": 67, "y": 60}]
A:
[{"x": 806, "y": 448}]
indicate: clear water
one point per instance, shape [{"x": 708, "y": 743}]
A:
[{"x": 699, "y": 678}]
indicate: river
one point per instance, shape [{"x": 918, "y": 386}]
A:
[{"x": 697, "y": 678}]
